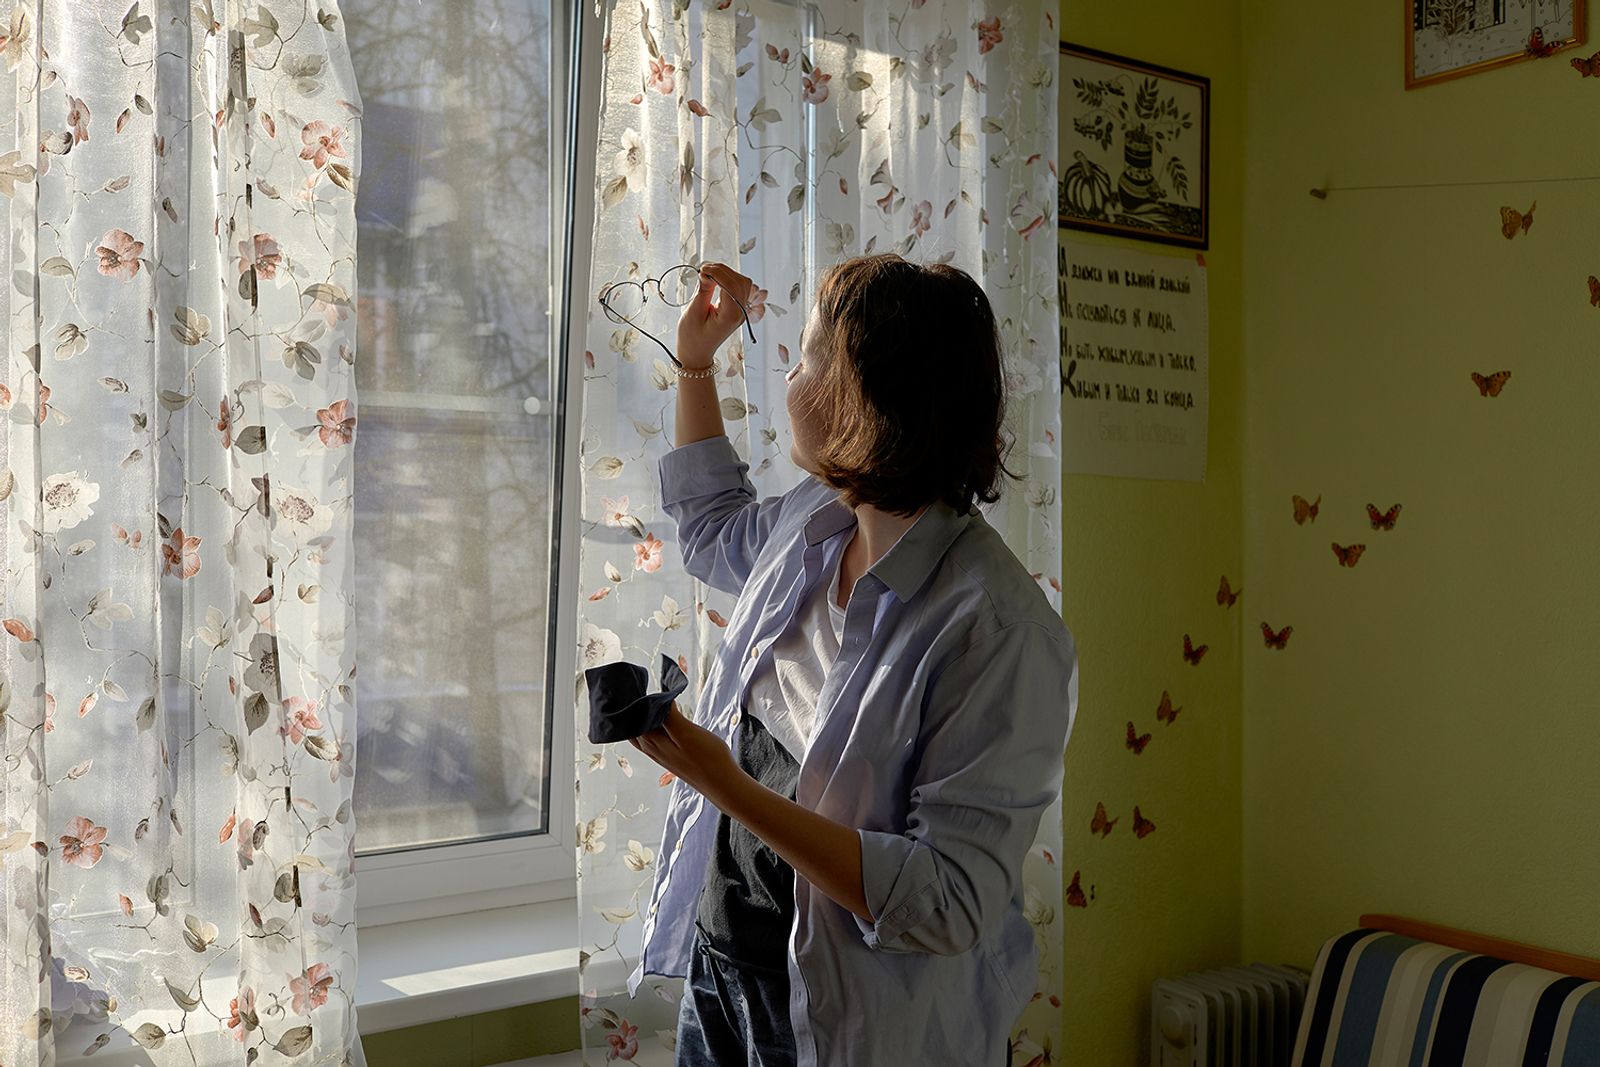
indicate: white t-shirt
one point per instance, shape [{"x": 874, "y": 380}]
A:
[{"x": 784, "y": 692}]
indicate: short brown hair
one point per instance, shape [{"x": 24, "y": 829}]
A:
[{"x": 912, "y": 387}]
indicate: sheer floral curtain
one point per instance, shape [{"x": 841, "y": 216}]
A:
[
  {"x": 783, "y": 138},
  {"x": 176, "y": 842}
]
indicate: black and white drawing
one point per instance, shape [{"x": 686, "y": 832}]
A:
[
  {"x": 1448, "y": 38},
  {"x": 1135, "y": 145}
]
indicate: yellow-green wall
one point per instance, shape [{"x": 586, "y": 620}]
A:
[
  {"x": 1429, "y": 742},
  {"x": 481, "y": 1040},
  {"x": 1142, "y": 561}
]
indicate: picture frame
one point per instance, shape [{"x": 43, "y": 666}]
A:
[
  {"x": 1135, "y": 149},
  {"x": 1447, "y": 39}
]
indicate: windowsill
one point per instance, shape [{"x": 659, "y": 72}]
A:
[{"x": 428, "y": 970}]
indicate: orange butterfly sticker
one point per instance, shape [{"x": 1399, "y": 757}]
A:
[
  {"x": 1512, "y": 220},
  {"x": 1166, "y": 712},
  {"x": 1304, "y": 510},
  {"x": 1349, "y": 555},
  {"x": 1589, "y": 68},
  {"x": 1279, "y": 639},
  {"x": 1226, "y": 596},
  {"x": 1142, "y": 827},
  {"x": 1136, "y": 741},
  {"x": 1100, "y": 824},
  {"x": 1191, "y": 653},
  {"x": 1491, "y": 385},
  {"x": 1383, "y": 520},
  {"x": 1537, "y": 46},
  {"x": 1594, "y": 291},
  {"x": 1075, "y": 897}
]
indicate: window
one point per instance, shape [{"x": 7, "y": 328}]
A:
[{"x": 462, "y": 233}]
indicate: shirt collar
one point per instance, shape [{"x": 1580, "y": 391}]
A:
[{"x": 909, "y": 560}]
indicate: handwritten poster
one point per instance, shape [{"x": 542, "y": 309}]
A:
[{"x": 1134, "y": 346}]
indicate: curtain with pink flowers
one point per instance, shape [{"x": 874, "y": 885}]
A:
[
  {"x": 782, "y": 138},
  {"x": 176, "y": 420}
]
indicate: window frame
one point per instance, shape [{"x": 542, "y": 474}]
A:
[{"x": 434, "y": 880}]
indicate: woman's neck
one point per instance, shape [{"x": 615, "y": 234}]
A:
[{"x": 876, "y": 532}]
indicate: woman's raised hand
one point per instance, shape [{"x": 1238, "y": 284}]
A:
[{"x": 705, "y": 323}]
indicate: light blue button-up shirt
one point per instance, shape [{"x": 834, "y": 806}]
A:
[{"x": 940, "y": 735}]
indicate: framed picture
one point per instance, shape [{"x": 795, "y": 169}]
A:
[
  {"x": 1448, "y": 38},
  {"x": 1135, "y": 149}
]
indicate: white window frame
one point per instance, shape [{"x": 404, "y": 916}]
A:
[{"x": 430, "y": 881}]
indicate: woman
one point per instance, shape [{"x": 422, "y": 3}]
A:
[{"x": 896, "y": 687}]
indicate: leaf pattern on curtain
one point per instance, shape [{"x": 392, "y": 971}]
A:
[
  {"x": 782, "y": 139},
  {"x": 178, "y": 411}
]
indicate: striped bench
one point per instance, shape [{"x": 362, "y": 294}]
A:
[{"x": 1399, "y": 993}]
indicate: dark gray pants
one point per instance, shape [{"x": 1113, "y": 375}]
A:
[{"x": 733, "y": 1016}]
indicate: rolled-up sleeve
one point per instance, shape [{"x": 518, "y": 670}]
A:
[
  {"x": 994, "y": 737},
  {"x": 706, "y": 489}
]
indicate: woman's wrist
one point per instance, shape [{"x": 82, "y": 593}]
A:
[
  {"x": 707, "y": 373},
  {"x": 694, "y": 357}
]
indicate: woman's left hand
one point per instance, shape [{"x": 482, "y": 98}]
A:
[{"x": 690, "y": 751}]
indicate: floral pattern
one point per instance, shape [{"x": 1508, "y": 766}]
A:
[
  {"x": 177, "y": 410},
  {"x": 119, "y": 255},
  {"x": 927, "y": 130}
]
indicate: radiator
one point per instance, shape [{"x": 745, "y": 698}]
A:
[{"x": 1229, "y": 1017}]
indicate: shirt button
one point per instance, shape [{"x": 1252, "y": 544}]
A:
[
  {"x": 652, "y": 909},
  {"x": 734, "y": 720},
  {"x": 755, "y": 651}
]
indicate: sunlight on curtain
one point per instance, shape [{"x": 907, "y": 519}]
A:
[
  {"x": 783, "y": 138},
  {"x": 176, "y": 463}
]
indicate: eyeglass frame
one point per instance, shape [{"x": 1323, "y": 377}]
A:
[{"x": 617, "y": 316}]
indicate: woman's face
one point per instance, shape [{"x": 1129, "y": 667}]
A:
[{"x": 802, "y": 374}]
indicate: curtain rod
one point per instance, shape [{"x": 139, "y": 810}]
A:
[{"x": 1321, "y": 192}]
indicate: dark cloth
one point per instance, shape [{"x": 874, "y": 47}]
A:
[
  {"x": 731, "y": 1016},
  {"x": 746, "y": 906},
  {"x": 619, "y": 707}
]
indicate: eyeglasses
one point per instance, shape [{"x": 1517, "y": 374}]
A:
[{"x": 625, "y": 301}]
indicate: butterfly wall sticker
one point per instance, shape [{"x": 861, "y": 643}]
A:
[
  {"x": 1100, "y": 824},
  {"x": 1075, "y": 894},
  {"x": 1166, "y": 712},
  {"x": 1226, "y": 596},
  {"x": 1512, "y": 220},
  {"x": 1142, "y": 827},
  {"x": 1304, "y": 509},
  {"x": 1276, "y": 639},
  {"x": 1383, "y": 520},
  {"x": 1587, "y": 66},
  {"x": 1191, "y": 654},
  {"x": 1136, "y": 741},
  {"x": 1348, "y": 555},
  {"x": 1538, "y": 47},
  {"x": 1490, "y": 385}
]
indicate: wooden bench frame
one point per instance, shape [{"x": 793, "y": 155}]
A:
[{"x": 1551, "y": 960}]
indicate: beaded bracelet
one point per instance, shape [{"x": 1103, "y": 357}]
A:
[{"x": 703, "y": 372}]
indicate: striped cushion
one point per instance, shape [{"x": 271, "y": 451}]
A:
[{"x": 1378, "y": 999}]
